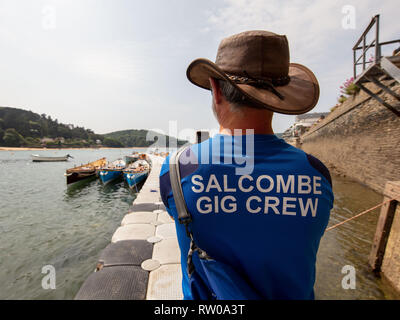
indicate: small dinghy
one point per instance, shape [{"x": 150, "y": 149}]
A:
[{"x": 38, "y": 158}]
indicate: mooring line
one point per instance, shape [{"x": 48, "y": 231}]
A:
[{"x": 359, "y": 215}]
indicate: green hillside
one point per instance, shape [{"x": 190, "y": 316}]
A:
[
  {"x": 142, "y": 138},
  {"x": 22, "y": 128}
]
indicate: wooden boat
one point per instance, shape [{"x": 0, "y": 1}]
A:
[
  {"x": 136, "y": 172},
  {"x": 112, "y": 171},
  {"x": 84, "y": 171},
  {"x": 38, "y": 158},
  {"x": 131, "y": 158}
]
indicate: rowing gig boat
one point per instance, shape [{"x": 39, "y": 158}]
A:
[
  {"x": 112, "y": 171},
  {"x": 84, "y": 171}
]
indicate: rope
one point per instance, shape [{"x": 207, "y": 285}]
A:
[{"x": 359, "y": 215}]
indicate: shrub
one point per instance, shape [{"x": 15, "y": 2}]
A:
[
  {"x": 51, "y": 144},
  {"x": 32, "y": 142},
  {"x": 349, "y": 88},
  {"x": 342, "y": 99}
]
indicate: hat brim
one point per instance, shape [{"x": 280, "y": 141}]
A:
[{"x": 301, "y": 93}]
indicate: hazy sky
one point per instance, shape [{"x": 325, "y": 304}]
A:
[{"x": 113, "y": 65}]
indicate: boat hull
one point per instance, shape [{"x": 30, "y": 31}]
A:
[
  {"x": 79, "y": 176},
  {"x": 84, "y": 171},
  {"x": 134, "y": 178},
  {"x": 48, "y": 159},
  {"x": 106, "y": 176}
]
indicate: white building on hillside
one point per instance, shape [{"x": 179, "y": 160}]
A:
[{"x": 303, "y": 122}]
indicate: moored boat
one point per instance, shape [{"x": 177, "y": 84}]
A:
[
  {"x": 84, "y": 171},
  {"x": 136, "y": 172},
  {"x": 112, "y": 171},
  {"x": 38, "y": 158},
  {"x": 131, "y": 158}
]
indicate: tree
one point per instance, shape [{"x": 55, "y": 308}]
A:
[
  {"x": 12, "y": 138},
  {"x": 32, "y": 142},
  {"x": 110, "y": 142}
]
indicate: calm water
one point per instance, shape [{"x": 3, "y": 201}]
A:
[
  {"x": 42, "y": 222},
  {"x": 350, "y": 244}
]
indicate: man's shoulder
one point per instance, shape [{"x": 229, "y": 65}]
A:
[
  {"x": 188, "y": 162},
  {"x": 187, "y": 165},
  {"x": 309, "y": 159},
  {"x": 319, "y": 166},
  {"x": 165, "y": 166}
]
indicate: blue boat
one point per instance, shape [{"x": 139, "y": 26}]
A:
[
  {"x": 112, "y": 171},
  {"x": 136, "y": 172}
]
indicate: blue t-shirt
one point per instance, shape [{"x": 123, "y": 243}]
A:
[{"x": 259, "y": 205}]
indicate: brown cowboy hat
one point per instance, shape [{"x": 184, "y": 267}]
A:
[{"x": 257, "y": 64}]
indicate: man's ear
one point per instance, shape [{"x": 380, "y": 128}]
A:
[{"x": 216, "y": 90}]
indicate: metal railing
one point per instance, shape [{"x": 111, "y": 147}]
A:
[{"x": 364, "y": 47}]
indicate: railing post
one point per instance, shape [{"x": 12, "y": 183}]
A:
[
  {"x": 364, "y": 44},
  {"x": 392, "y": 191},
  {"x": 377, "y": 45}
]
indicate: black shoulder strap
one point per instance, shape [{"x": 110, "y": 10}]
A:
[
  {"x": 184, "y": 216},
  {"x": 175, "y": 177}
]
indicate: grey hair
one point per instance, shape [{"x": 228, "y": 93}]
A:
[{"x": 236, "y": 99}]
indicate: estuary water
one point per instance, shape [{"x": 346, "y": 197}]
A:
[{"x": 44, "y": 222}]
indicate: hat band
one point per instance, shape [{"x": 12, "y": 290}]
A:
[
  {"x": 268, "y": 84},
  {"x": 282, "y": 81}
]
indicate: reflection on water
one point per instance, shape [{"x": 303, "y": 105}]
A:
[
  {"x": 350, "y": 244},
  {"x": 75, "y": 189}
]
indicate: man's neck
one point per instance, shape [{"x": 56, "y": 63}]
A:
[
  {"x": 241, "y": 131},
  {"x": 247, "y": 123},
  {"x": 260, "y": 121}
]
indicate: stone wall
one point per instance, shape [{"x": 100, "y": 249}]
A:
[{"x": 360, "y": 139}]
